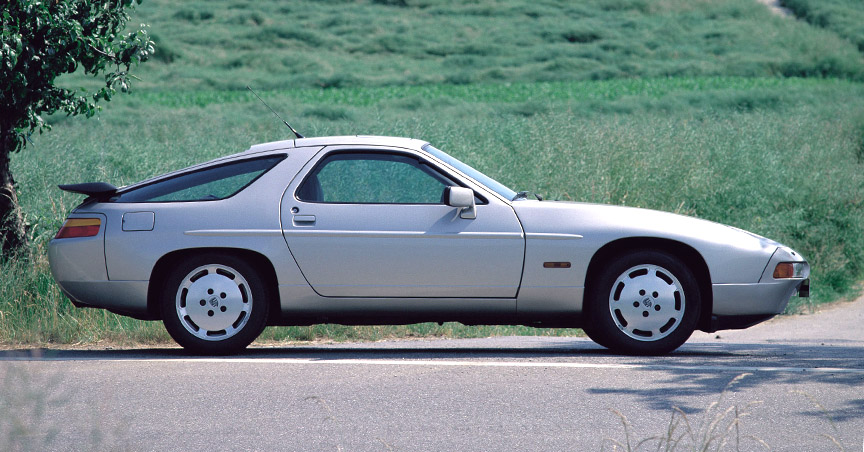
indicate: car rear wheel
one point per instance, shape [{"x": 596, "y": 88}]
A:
[
  {"x": 645, "y": 303},
  {"x": 214, "y": 304}
]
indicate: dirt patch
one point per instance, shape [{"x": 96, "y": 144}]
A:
[{"x": 776, "y": 7}]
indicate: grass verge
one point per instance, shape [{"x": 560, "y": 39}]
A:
[{"x": 779, "y": 157}]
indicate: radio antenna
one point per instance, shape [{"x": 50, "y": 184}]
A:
[{"x": 274, "y": 112}]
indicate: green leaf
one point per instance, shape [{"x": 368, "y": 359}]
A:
[{"x": 41, "y": 40}]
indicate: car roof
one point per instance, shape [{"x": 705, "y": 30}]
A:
[
  {"x": 349, "y": 140},
  {"x": 284, "y": 145}
]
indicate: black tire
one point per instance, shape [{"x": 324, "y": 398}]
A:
[
  {"x": 214, "y": 304},
  {"x": 644, "y": 303}
]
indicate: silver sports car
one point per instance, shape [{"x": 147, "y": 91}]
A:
[{"x": 379, "y": 230}]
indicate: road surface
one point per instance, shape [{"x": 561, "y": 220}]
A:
[{"x": 797, "y": 384}]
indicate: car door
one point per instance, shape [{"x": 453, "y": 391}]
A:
[{"x": 373, "y": 223}]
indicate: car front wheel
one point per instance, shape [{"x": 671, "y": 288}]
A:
[
  {"x": 214, "y": 304},
  {"x": 644, "y": 303}
]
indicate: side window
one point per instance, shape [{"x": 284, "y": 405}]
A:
[
  {"x": 214, "y": 183},
  {"x": 370, "y": 178}
]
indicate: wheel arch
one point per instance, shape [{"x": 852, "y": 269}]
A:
[
  {"x": 163, "y": 267},
  {"x": 682, "y": 251}
]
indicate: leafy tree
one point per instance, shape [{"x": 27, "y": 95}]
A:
[{"x": 40, "y": 41}]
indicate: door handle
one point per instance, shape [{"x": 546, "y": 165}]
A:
[{"x": 304, "y": 218}]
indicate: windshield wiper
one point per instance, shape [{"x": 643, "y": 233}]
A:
[{"x": 524, "y": 195}]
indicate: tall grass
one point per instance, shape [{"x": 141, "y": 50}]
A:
[
  {"x": 721, "y": 426},
  {"x": 717, "y": 428},
  {"x": 34, "y": 312},
  {"x": 844, "y": 17},
  {"x": 778, "y": 157},
  {"x": 227, "y": 44}
]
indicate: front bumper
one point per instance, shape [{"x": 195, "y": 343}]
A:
[
  {"x": 755, "y": 299},
  {"x": 744, "y": 304}
]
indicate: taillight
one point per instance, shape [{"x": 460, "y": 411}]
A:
[{"x": 79, "y": 227}]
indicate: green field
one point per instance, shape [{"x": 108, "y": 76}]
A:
[
  {"x": 227, "y": 44},
  {"x": 714, "y": 109},
  {"x": 843, "y": 17}
]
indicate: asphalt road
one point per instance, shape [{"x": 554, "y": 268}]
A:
[{"x": 797, "y": 384}]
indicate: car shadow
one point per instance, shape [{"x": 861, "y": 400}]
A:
[
  {"x": 766, "y": 357},
  {"x": 315, "y": 352},
  {"x": 695, "y": 369}
]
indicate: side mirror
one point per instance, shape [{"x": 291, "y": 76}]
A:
[{"x": 463, "y": 199}]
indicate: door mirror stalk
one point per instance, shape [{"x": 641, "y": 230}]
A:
[{"x": 463, "y": 199}]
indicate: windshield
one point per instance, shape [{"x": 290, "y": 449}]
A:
[{"x": 490, "y": 183}]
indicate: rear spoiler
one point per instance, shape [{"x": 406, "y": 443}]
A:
[{"x": 98, "y": 191}]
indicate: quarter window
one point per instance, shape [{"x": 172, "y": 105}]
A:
[
  {"x": 205, "y": 185},
  {"x": 370, "y": 178}
]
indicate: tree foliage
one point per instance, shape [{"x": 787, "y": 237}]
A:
[{"x": 40, "y": 41}]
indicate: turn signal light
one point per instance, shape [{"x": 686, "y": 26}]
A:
[
  {"x": 787, "y": 270},
  {"x": 79, "y": 227}
]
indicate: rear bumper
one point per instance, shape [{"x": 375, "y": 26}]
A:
[
  {"x": 78, "y": 266},
  {"x": 123, "y": 297}
]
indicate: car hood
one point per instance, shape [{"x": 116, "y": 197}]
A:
[{"x": 725, "y": 249}]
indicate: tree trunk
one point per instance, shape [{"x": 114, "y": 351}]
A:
[{"x": 13, "y": 239}]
